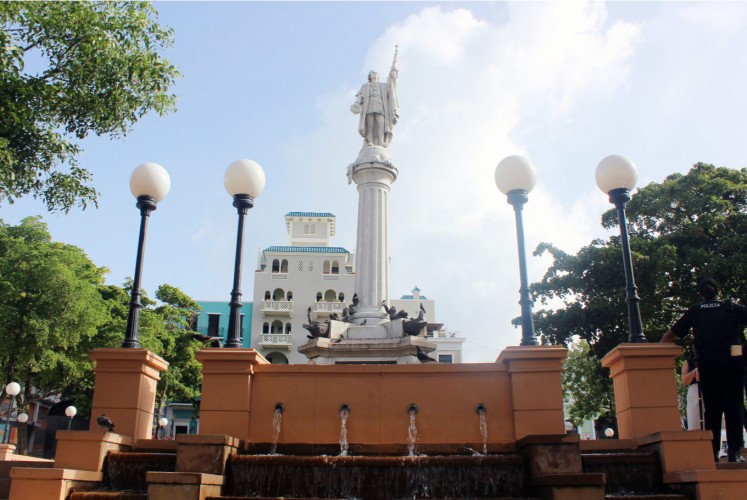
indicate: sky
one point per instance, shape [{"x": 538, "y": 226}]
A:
[{"x": 563, "y": 83}]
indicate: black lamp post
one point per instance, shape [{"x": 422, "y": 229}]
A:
[
  {"x": 149, "y": 183},
  {"x": 12, "y": 390},
  {"x": 244, "y": 180},
  {"x": 616, "y": 175},
  {"x": 515, "y": 177}
]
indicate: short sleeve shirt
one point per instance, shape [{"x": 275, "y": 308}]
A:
[{"x": 715, "y": 326}]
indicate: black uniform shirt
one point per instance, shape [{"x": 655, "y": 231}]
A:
[{"x": 715, "y": 329}]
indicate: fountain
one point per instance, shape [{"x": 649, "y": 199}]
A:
[
  {"x": 412, "y": 431},
  {"x": 344, "y": 412},
  {"x": 483, "y": 427},
  {"x": 276, "y": 421}
]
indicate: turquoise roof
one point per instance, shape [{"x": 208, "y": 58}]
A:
[
  {"x": 410, "y": 297},
  {"x": 309, "y": 214},
  {"x": 290, "y": 249}
]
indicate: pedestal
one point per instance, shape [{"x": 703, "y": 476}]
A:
[
  {"x": 373, "y": 173},
  {"x": 536, "y": 390},
  {"x": 226, "y": 386},
  {"x": 125, "y": 389},
  {"x": 645, "y": 391}
]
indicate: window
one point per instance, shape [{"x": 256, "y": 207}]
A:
[
  {"x": 309, "y": 229},
  {"x": 277, "y": 327},
  {"x": 287, "y": 328},
  {"x": 267, "y": 295},
  {"x": 278, "y": 294},
  {"x": 213, "y": 325},
  {"x": 341, "y": 297},
  {"x": 241, "y": 322},
  {"x": 335, "y": 267},
  {"x": 330, "y": 296},
  {"x": 318, "y": 296},
  {"x": 284, "y": 266},
  {"x": 276, "y": 358},
  {"x": 290, "y": 295},
  {"x": 325, "y": 268},
  {"x": 266, "y": 328},
  {"x": 181, "y": 429},
  {"x": 445, "y": 358},
  {"x": 275, "y": 266}
]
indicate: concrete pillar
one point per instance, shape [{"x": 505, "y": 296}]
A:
[
  {"x": 536, "y": 389},
  {"x": 125, "y": 389},
  {"x": 645, "y": 390},
  {"x": 226, "y": 390}
]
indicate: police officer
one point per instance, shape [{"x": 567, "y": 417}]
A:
[{"x": 717, "y": 343}]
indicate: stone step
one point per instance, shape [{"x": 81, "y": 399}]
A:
[{"x": 107, "y": 495}]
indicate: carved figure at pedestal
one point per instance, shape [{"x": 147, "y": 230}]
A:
[
  {"x": 415, "y": 325},
  {"x": 393, "y": 314},
  {"x": 377, "y": 104},
  {"x": 316, "y": 328}
]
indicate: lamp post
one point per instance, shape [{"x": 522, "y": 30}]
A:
[
  {"x": 149, "y": 183},
  {"x": 162, "y": 422},
  {"x": 244, "y": 180},
  {"x": 616, "y": 175},
  {"x": 22, "y": 418},
  {"x": 70, "y": 411},
  {"x": 515, "y": 177},
  {"x": 12, "y": 389}
]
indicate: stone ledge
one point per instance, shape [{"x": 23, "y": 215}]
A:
[
  {"x": 657, "y": 437},
  {"x": 184, "y": 478},
  {"x": 581, "y": 479},
  {"x": 94, "y": 436},
  {"x": 706, "y": 476},
  {"x": 202, "y": 439},
  {"x": 55, "y": 474}
]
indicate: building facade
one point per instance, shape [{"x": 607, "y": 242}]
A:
[
  {"x": 306, "y": 278},
  {"x": 213, "y": 320}
]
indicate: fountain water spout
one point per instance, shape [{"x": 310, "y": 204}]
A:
[
  {"x": 412, "y": 430},
  {"x": 276, "y": 421},
  {"x": 481, "y": 409},
  {"x": 344, "y": 411}
]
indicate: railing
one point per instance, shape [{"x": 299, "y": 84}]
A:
[
  {"x": 283, "y": 340},
  {"x": 327, "y": 308},
  {"x": 278, "y": 307}
]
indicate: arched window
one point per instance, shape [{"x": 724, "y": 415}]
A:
[
  {"x": 284, "y": 266},
  {"x": 278, "y": 294},
  {"x": 287, "y": 328},
  {"x": 277, "y": 327},
  {"x": 318, "y": 296},
  {"x": 267, "y": 295},
  {"x": 341, "y": 297},
  {"x": 290, "y": 295},
  {"x": 275, "y": 266},
  {"x": 276, "y": 358},
  {"x": 335, "y": 267},
  {"x": 266, "y": 328},
  {"x": 325, "y": 269},
  {"x": 330, "y": 296},
  {"x": 306, "y": 229}
]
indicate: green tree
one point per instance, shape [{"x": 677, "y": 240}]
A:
[
  {"x": 49, "y": 306},
  {"x": 68, "y": 69},
  {"x": 687, "y": 227},
  {"x": 584, "y": 386}
]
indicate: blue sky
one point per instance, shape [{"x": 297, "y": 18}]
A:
[{"x": 563, "y": 83}]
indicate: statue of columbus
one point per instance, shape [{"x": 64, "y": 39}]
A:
[{"x": 377, "y": 104}]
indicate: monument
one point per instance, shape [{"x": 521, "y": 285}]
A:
[{"x": 368, "y": 333}]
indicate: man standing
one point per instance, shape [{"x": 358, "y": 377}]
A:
[
  {"x": 719, "y": 351},
  {"x": 377, "y": 104}
]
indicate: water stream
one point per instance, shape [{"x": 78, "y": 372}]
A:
[
  {"x": 276, "y": 421},
  {"x": 344, "y": 411},
  {"x": 483, "y": 429},
  {"x": 412, "y": 431}
]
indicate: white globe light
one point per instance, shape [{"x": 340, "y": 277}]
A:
[
  {"x": 609, "y": 432},
  {"x": 244, "y": 177},
  {"x": 71, "y": 411},
  {"x": 515, "y": 172},
  {"x": 22, "y": 418},
  {"x": 616, "y": 172},
  {"x": 163, "y": 421},
  {"x": 13, "y": 389},
  {"x": 150, "y": 179}
]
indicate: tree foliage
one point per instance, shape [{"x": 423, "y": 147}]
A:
[
  {"x": 68, "y": 69},
  {"x": 49, "y": 307},
  {"x": 687, "y": 227},
  {"x": 584, "y": 385},
  {"x": 55, "y": 308}
]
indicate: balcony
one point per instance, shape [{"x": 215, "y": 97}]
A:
[
  {"x": 324, "y": 309},
  {"x": 282, "y": 308},
  {"x": 275, "y": 341}
]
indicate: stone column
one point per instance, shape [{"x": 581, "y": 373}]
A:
[
  {"x": 536, "y": 390},
  {"x": 125, "y": 389},
  {"x": 373, "y": 173},
  {"x": 645, "y": 391}
]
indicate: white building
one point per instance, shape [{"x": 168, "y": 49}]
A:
[
  {"x": 308, "y": 273},
  {"x": 448, "y": 345}
]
